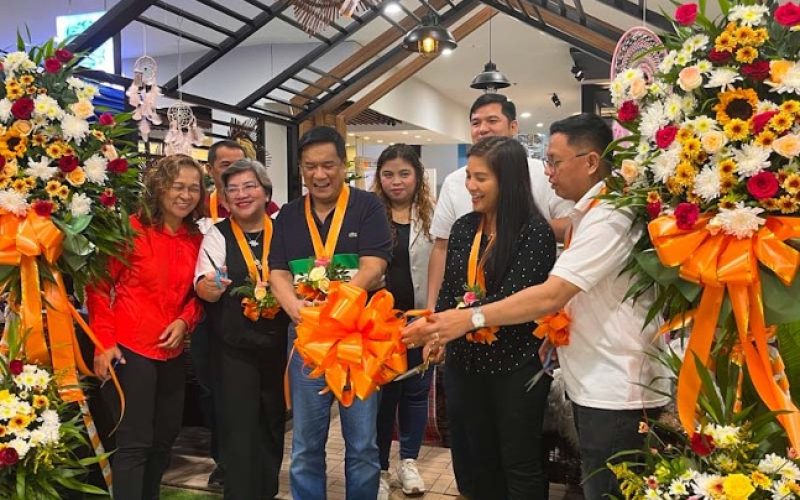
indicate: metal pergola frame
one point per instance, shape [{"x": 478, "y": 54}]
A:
[{"x": 304, "y": 90}]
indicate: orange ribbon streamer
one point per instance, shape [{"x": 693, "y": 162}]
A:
[
  {"x": 355, "y": 345},
  {"x": 327, "y": 250},
  {"x": 251, "y": 311},
  {"x": 555, "y": 327},
  {"x": 720, "y": 262},
  {"x": 213, "y": 202},
  {"x": 476, "y": 276}
]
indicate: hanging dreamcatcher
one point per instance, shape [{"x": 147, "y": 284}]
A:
[
  {"x": 143, "y": 94},
  {"x": 244, "y": 133},
  {"x": 314, "y": 15},
  {"x": 183, "y": 129}
]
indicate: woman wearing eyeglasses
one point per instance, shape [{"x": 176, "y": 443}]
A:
[
  {"x": 503, "y": 246},
  {"x": 142, "y": 314},
  {"x": 233, "y": 258}
]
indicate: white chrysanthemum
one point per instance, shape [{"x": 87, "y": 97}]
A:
[
  {"x": 21, "y": 446},
  {"x": 695, "y": 43},
  {"x": 37, "y": 437},
  {"x": 704, "y": 66},
  {"x": 653, "y": 118},
  {"x": 80, "y": 204},
  {"x": 74, "y": 128},
  {"x": 741, "y": 222},
  {"x": 46, "y": 107},
  {"x": 722, "y": 78},
  {"x": 23, "y": 408},
  {"x": 617, "y": 89},
  {"x": 751, "y": 159},
  {"x": 75, "y": 83},
  {"x": 748, "y": 15},
  {"x": 95, "y": 169},
  {"x": 25, "y": 380},
  {"x": 630, "y": 75},
  {"x": 15, "y": 62},
  {"x": 772, "y": 463},
  {"x": 13, "y": 202},
  {"x": 664, "y": 165},
  {"x": 781, "y": 490},
  {"x": 5, "y": 110},
  {"x": 683, "y": 58},
  {"x": 668, "y": 62},
  {"x": 678, "y": 488},
  {"x": 653, "y": 494},
  {"x": 50, "y": 417},
  {"x": 703, "y": 124},
  {"x": 673, "y": 107},
  {"x": 790, "y": 81},
  {"x": 791, "y": 472},
  {"x": 41, "y": 380},
  {"x": 688, "y": 103},
  {"x": 87, "y": 92},
  {"x": 658, "y": 88},
  {"x": 706, "y": 184},
  {"x": 6, "y": 412},
  {"x": 41, "y": 169},
  {"x": 707, "y": 485}
]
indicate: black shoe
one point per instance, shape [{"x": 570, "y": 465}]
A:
[{"x": 217, "y": 477}]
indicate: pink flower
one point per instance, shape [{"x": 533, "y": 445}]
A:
[
  {"x": 760, "y": 120},
  {"x": 788, "y": 14},
  {"x": 686, "y": 14},
  {"x": 16, "y": 366},
  {"x": 763, "y": 185},
  {"x": 665, "y": 136},
  {"x": 323, "y": 262},
  {"x": 470, "y": 298},
  {"x": 52, "y": 65},
  {"x": 686, "y": 214},
  {"x": 106, "y": 119},
  {"x": 628, "y": 111}
]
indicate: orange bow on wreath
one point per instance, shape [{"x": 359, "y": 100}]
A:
[
  {"x": 554, "y": 327},
  {"x": 719, "y": 262},
  {"x": 356, "y": 345}
]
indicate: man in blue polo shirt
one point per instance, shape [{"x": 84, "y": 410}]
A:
[{"x": 352, "y": 225}]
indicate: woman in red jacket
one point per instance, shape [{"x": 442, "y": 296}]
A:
[{"x": 142, "y": 314}]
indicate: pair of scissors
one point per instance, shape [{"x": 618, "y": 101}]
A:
[
  {"x": 114, "y": 366},
  {"x": 219, "y": 274},
  {"x": 548, "y": 367}
]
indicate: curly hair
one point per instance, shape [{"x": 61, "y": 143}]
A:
[
  {"x": 422, "y": 201},
  {"x": 157, "y": 179}
]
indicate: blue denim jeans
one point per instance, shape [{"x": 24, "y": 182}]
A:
[
  {"x": 311, "y": 414},
  {"x": 407, "y": 400},
  {"x": 602, "y": 434}
]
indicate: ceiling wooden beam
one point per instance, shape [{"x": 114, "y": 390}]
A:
[
  {"x": 410, "y": 69},
  {"x": 365, "y": 53}
]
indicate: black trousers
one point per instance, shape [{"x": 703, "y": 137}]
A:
[
  {"x": 153, "y": 414},
  {"x": 504, "y": 421},
  {"x": 458, "y": 436},
  {"x": 253, "y": 420},
  {"x": 205, "y": 358}
]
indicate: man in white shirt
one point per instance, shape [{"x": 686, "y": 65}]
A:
[
  {"x": 490, "y": 115},
  {"x": 606, "y": 365}
]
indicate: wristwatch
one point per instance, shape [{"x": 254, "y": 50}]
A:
[{"x": 478, "y": 319}]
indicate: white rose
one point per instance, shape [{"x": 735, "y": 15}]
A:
[
  {"x": 317, "y": 273},
  {"x": 80, "y": 204}
]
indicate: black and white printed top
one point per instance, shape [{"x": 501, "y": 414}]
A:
[{"x": 535, "y": 254}]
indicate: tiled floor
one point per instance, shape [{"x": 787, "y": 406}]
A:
[{"x": 191, "y": 472}]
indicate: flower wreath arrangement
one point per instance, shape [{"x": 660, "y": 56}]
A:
[{"x": 712, "y": 167}]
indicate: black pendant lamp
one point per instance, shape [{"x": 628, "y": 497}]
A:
[
  {"x": 429, "y": 39},
  {"x": 490, "y": 79}
]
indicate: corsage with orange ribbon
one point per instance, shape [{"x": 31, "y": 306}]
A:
[
  {"x": 257, "y": 300},
  {"x": 353, "y": 343},
  {"x": 316, "y": 285},
  {"x": 554, "y": 327}
]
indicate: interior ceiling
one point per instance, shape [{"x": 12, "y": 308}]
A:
[{"x": 520, "y": 51}]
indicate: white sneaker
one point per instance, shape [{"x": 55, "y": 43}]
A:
[
  {"x": 383, "y": 489},
  {"x": 409, "y": 477}
]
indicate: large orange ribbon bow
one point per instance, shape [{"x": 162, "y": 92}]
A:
[
  {"x": 355, "y": 345},
  {"x": 721, "y": 262}
]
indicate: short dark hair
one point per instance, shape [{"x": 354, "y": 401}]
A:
[
  {"x": 585, "y": 129},
  {"x": 322, "y": 135},
  {"x": 509, "y": 110},
  {"x": 226, "y": 143}
]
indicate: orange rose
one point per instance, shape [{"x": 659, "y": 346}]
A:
[
  {"x": 712, "y": 141},
  {"x": 778, "y": 69},
  {"x": 787, "y": 146},
  {"x": 638, "y": 88},
  {"x": 690, "y": 78},
  {"x": 77, "y": 177},
  {"x": 629, "y": 170},
  {"x": 23, "y": 127},
  {"x": 83, "y": 109}
]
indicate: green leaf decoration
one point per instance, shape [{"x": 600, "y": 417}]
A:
[
  {"x": 789, "y": 342},
  {"x": 781, "y": 303}
]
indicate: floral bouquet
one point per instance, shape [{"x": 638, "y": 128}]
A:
[
  {"x": 257, "y": 300},
  {"x": 711, "y": 165},
  {"x": 318, "y": 283},
  {"x": 65, "y": 182},
  {"x": 39, "y": 432}
]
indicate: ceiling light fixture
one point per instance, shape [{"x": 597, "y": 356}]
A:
[
  {"x": 556, "y": 100},
  {"x": 540, "y": 124},
  {"x": 577, "y": 72},
  {"x": 525, "y": 114},
  {"x": 490, "y": 79},
  {"x": 392, "y": 8},
  {"x": 429, "y": 39}
]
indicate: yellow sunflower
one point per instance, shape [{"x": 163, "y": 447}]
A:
[
  {"x": 673, "y": 186},
  {"x": 765, "y": 138},
  {"x": 99, "y": 135},
  {"x": 52, "y": 188},
  {"x": 781, "y": 122},
  {"x": 4, "y": 181},
  {"x": 792, "y": 183},
  {"x": 13, "y": 144},
  {"x": 737, "y": 130},
  {"x": 728, "y": 202},
  {"x": 746, "y": 55},
  {"x": 791, "y": 106},
  {"x": 736, "y": 103},
  {"x": 685, "y": 133}
]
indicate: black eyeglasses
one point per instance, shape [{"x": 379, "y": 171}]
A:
[{"x": 553, "y": 164}]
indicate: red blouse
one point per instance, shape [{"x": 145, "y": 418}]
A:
[{"x": 143, "y": 297}]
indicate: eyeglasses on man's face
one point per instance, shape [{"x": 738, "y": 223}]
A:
[{"x": 554, "y": 164}]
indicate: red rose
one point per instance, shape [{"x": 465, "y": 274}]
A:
[
  {"x": 665, "y": 136},
  {"x": 43, "y": 208},
  {"x": 106, "y": 119},
  {"x": 64, "y": 55},
  {"x": 16, "y": 366},
  {"x": 686, "y": 215},
  {"x": 702, "y": 444},
  {"x": 117, "y": 166},
  {"x": 108, "y": 198},
  {"x": 757, "y": 70},
  {"x": 9, "y": 456},
  {"x": 68, "y": 163},
  {"x": 22, "y": 109},
  {"x": 654, "y": 209},
  {"x": 628, "y": 111},
  {"x": 760, "y": 120},
  {"x": 763, "y": 185},
  {"x": 719, "y": 56},
  {"x": 788, "y": 14},
  {"x": 686, "y": 14},
  {"x": 52, "y": 65}
]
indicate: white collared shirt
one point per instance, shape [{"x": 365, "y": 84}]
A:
[
  {"x": 454, "y": 200},
  {"x": 606, "y": 364}
]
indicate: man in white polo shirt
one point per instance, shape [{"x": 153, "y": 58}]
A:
[
  {"x": 606, "y": 365},
  {"x": 490, "y": 115}
]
